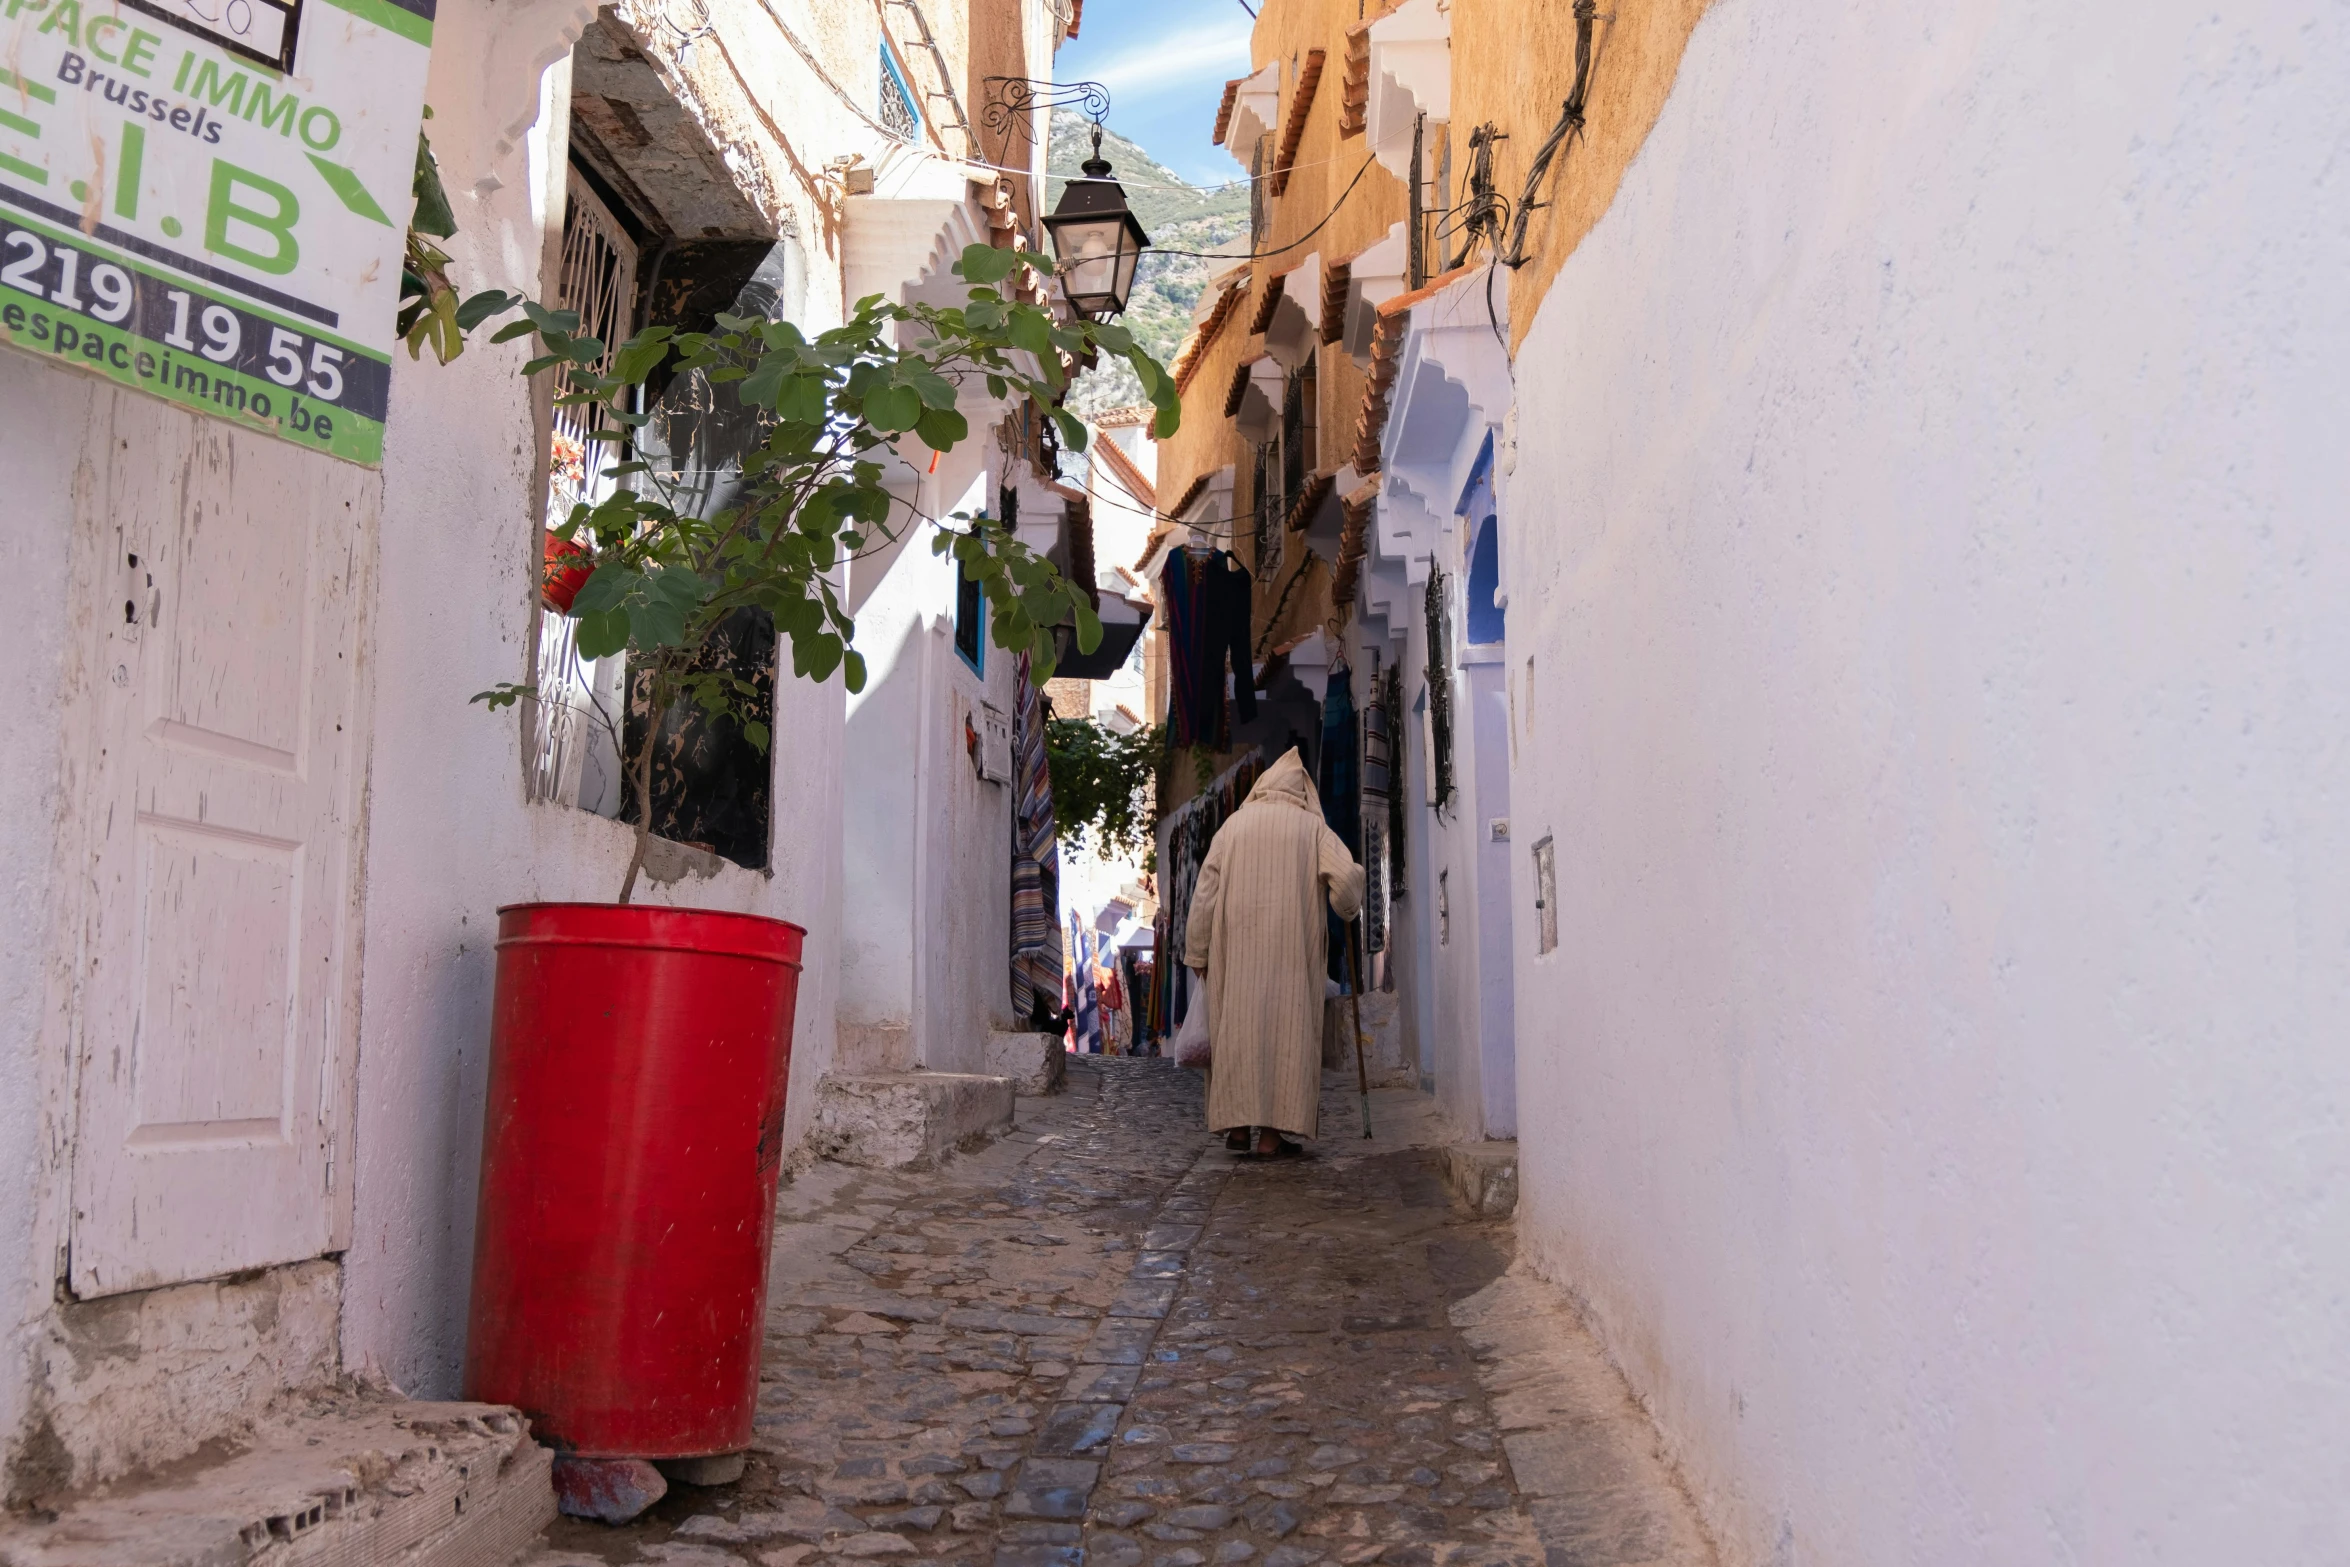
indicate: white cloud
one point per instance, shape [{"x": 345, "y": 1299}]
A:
[{"x": 1183, "y": 62}]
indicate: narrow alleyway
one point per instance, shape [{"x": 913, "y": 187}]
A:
[{"x": 1104, "y": 1340}]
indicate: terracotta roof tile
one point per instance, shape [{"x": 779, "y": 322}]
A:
[
  {"x": 1224, "y": 109},
  {"x": 1335, "y": 278},
  {"x": 1195, "y": 347},
  {"x": 1129, "y": 478},
  {"x": 1378, "y": 388},
  {"x": 1354, "y": 84},
  {"x": 1293, "y": 130},
  {"x": 1354, "y": 538},
  {"x": 1268, "y": 299},
  {"x": 1430, "y": 289},
  {"x": 1191, "y": 493},
  {"x": 1308, "y": 500}
]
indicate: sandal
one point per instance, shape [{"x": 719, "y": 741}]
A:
[
  {"x": 1282, "y": 1148},
  {"x": 1237, "y": 1139}
]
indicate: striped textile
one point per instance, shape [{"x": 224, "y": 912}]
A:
[
  {"x": 1036, "y": 857},
  {"x": 1086, "y": 1031}
]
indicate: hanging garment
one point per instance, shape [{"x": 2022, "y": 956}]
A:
[
  {"x": 1257, "y": 926},
  {"x": 1036, "y": 858},
  {"x": 1378, "y": 784},
  {"x": 1340, "y": 790},
  {"x": 1208, "y": 604},
  {"x": 1087, "y": 1027}
]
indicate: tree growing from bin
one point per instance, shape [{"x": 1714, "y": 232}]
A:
[{"x": 835, "y": 407}]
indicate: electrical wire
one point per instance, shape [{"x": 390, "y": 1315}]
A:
[
  {"x": 1259, "y": 255},
  {"x": 1570, "y": 121}
]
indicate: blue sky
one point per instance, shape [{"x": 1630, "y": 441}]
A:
[{"x": 1165, "y": 63}]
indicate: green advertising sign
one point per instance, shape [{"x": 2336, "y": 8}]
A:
[{"x": 207, "y": 200}]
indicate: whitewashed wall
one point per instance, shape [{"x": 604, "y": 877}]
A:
[
  {"x": 926, "y": 965},
  {"x": 1927, "y": 521},
  {"x": 43, "y": 411}
]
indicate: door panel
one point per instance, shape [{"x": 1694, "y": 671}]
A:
[{"x": 219, "y": 1011}]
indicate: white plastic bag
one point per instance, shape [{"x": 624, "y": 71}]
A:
[{"x": 1192, "y": 1049}]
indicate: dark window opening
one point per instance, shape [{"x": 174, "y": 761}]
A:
[
  {"x": 970, "y": 634},
  {"x": 710, "y": 784}
]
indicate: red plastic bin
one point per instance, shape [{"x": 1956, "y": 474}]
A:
[{"x": 638, "y": 1061}]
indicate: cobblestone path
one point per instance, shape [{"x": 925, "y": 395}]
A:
[{"x": 1106, "y": 1340}]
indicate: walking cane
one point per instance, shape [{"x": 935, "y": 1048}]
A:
[{"x": 1354, "y": 1001}]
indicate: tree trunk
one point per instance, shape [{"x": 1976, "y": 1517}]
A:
[{"x": 642, "y": 766}]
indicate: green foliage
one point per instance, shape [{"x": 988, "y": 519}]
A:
[
  {"x": 430, "y": 311},
  {"x": 834, "y": 408},
  {"x": 1103, "y": 785}
]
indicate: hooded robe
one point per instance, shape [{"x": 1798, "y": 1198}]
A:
[{"x": 1256, "y": 925}]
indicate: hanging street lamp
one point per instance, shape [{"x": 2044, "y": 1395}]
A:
[{"x": 1096, "y": 240}]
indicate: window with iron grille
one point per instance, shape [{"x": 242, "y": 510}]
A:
[
  {"x": 898, "y": 115},
  {"x": 1256, "y": 197},
  {"x": 573, "y": 758},
  {"x": 1293, "y": 440},
  {"x": 1268, "y": 505}
]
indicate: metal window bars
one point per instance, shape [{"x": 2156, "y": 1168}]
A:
[
  {"x": 895, "y": 104},
  {"x": 570, "y": 728},
  {"x": 1438, "y": 623}
]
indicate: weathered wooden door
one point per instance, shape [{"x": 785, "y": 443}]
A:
[{"x": 218, "y": 984}]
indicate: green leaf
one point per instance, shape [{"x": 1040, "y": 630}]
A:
[
  {"x": 893, "y": 408},
  {"x": 756, "y": 732},
  {"x": 936, "y": 390},
  {"x": 1032, "y": 329},
  {"x": 603, "y": 634},
  {"x": 641, "y": 355},
  {"x": 941, "y": 428},
  {"x": 853, "y": 671},
  {"x": 765, "y": 382},
  {"x": 986, "y": 264},
  {"x": 803, "y": 400},
  {"x": 605, "y": 590},
  {"x": 1072, "y": 429},
  {"x": 489, "y": 302},
  {"x": 1089, "y": 625},
  {"x": 433, "y": 215}
]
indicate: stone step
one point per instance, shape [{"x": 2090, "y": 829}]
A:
[
  {"x": 1484, "y": 1177},
  {"x": 354, "y": 1480},
  {"x": 908, "y": 1120},
  {"x": 1036, "y": 1063},
  {"x": 1384, "y": 1061}
]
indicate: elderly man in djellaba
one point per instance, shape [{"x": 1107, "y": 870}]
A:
[{"x": 1257, "y": 930}]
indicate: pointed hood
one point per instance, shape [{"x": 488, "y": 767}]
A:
[{"x": 1286, "y": 782}]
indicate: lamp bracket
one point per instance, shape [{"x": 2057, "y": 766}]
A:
[{"x": 1010, "y": 101}]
